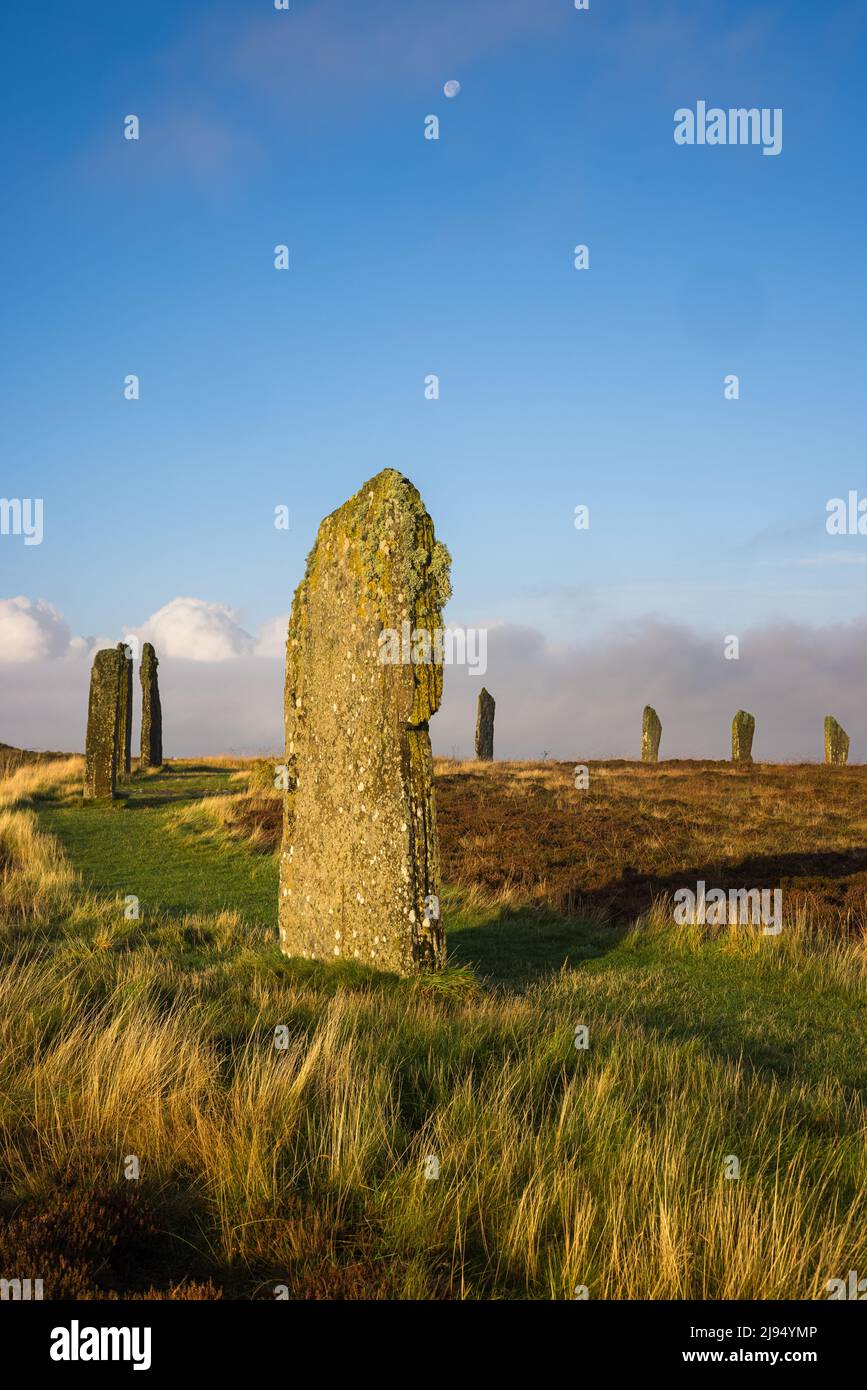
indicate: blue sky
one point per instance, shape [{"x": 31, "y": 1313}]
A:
[{"x": 452, "y": 257}]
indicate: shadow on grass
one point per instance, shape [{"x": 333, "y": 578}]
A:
[
  {"x": 489, "y": 946},
  {"x": 151, "y": 801},
  {"x": 513, "y": 948}
]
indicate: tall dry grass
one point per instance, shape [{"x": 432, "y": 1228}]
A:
[
  {"x": 31, "y": 781},
  {"x": 256, "y": 818},
  {"x": 555, "y": 1170}
]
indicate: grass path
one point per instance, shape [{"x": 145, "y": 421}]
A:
[{"x": 129, "y": 847}]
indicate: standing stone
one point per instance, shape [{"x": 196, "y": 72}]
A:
[
  {"x": 103, "y": 725},
  {"x": 151, "y": 711},
  {"x": 485, "y": 727},
  {"x": 359, "y": 871},
  {"x": 836, "y": 742},
  {"x": 743, "y": 728},
  {"x": 124, "y": 735},
  {"x": 651, "y": 733}
]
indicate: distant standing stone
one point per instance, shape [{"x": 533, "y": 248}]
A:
[
  {"x": 360, "y": 867},
  {"x": 124, "y": 737},
  {"x": 836, "y": 742},
  {"x": 743, "y": 728},
  {"x": 151, "y": 710},
  {"x": 651, "y": 733},
  {"x": 485, "y": 727},
  {"x": 103, "y": 725}
]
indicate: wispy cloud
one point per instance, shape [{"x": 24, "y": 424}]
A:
[
  {"x": 174, "y": 146},
  {"x": 341, "y": 51}
]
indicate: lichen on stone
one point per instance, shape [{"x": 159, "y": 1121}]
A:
[
  {"x": 103, "y": 725},
  {"x": 360, "y": 855},
  {"x": 485, "y": 726},
  {"x": 151, "y": 754},
  {"x": 651, "y": 733},
  {"x": 836, "y": 742},
  {"x": 743, "y": 729},
  {"x": 124, "y": 738}
]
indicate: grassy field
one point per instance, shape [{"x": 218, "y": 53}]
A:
[{"x": 153, "y": 1037}]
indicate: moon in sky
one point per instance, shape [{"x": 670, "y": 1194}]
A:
[{"x": 452, "y": 88}]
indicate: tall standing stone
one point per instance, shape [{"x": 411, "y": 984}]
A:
[
  {"x": 359, "y": 871},
  {"x": 836, "y": 742},
  {"x": 651, "y": 733},
  {"x": 485, "y": 727},
  {"x": 743, "y": 728},
  {"x": 103, "y": 725},
  {"x": 124, "y": 736},
  {"x": 151, "y": 710}
]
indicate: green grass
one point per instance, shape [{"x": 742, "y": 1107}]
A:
[
  {"x": 777, "y": 1014},
  {"x": 129, "y": 846}
]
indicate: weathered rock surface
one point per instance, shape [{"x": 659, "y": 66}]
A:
[
  {"x": 360, "y": 872},
  {"x": 651, "y": 733},
  {"x": 836, "y": 742},
  {"x": 124, "y": 736},
  {"x": 103, "y": 725},
  {"x": 743, "y": 728},
  {"x": 485, "y": 726},
  {"x": 151, "y": 710}
]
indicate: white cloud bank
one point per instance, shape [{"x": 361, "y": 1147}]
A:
[
  {"x": 222, "y": 687},
  {"x": 186, "y": 628}
]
